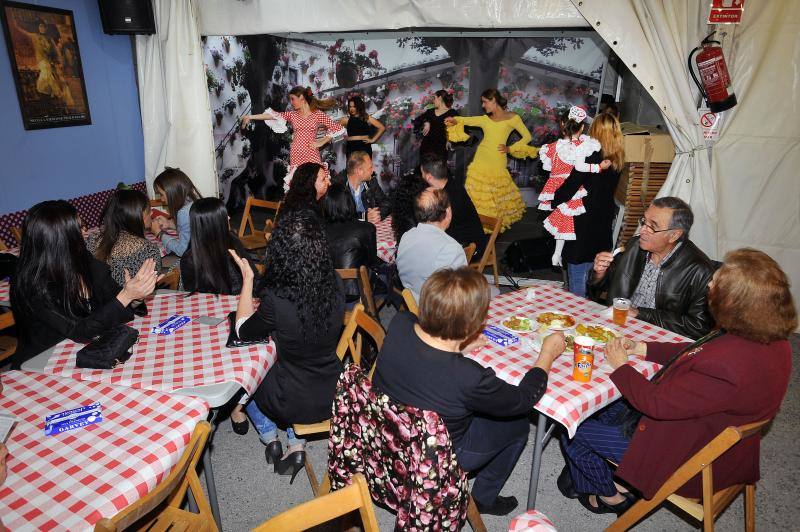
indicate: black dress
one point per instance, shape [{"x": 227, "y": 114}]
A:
[
  {"x": 465, "y": 226},
  {"x": 593, "y": 229},
  {"x": 46, "y": 325},
  {"x": 356, "y": 127},
  {"x": 299, "y": 388},
  {"x": 436, "y": 139}
]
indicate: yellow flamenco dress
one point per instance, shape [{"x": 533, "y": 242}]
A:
[{"x": 488, "y": 183}]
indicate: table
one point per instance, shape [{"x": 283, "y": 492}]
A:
[
  {"x": 385, "y": 239},
  {"x": 566, "y": 401},
  {"x": 191, "y": 361},
  {"x": 70, "y": 480}
]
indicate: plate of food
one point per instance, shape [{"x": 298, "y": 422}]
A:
[
  {"x": 536, "y": 342},
  {"x": 556, "y": 321},
  {"x": 516, "y": 323},
  {"x": 599, "y": 333}
]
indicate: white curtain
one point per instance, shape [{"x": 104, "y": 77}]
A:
[
  {"x": 176, "y": 117},
  {"x": 653, "y": 38},
  {"x": 229, "y": 17},
  {"x": 757, "y": 159}
]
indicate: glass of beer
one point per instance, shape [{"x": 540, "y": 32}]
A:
[{"x": 621, "y": 308}]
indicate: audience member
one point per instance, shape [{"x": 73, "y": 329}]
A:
[
  {"x": 403, "y": 199},
  {"x": 734, "y": 376},
  {"x": 122, "y": 244},
  {"x": 301, "y": 309},
  {"x": 466, "y": 226},
  {"x": 421, "y": 365},
  {"x": 427, "y": 247},
  {"x": 662, "y": 272},
  {"x": 60, "y": 290},
  {"x": 367, "y": 193},
  {"x": 309, "y": 184},
  {"x": 178, "y": 192}
]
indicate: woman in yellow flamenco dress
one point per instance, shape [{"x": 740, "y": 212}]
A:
[{"x": 488, "y": 183}]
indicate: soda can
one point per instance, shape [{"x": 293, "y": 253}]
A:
[{"x": 583, "y": 347}]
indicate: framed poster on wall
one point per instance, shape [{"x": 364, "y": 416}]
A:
[{"x": 46, "y": 65}]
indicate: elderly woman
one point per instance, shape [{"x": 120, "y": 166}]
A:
[
  {"x": 736, "y": 375},
  {"x": 421, "y": 365}
]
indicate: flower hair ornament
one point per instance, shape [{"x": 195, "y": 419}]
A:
[{"x": 577, "y": 114}]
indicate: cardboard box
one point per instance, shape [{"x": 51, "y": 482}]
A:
[{"x": 647, "y": 143}]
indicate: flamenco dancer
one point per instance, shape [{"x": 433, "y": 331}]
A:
[
  {"x": 306, "y": 117},
  {"x": 559, "y": 158},
  {"x": 488, "y": 182}
]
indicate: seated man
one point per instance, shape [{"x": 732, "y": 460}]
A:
[
  {"x": 367, "y": 193},
  {"x": 466, "y": 226},
  {"x": 662, "y": 272},
  {"x": 427, "y": 247}
]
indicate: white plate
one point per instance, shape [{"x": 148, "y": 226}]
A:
[
  {"x": 515, "y": 331},
  {"x": 609, "y": 329},
  {"x": 536, "y": 343},
  {"x": 563, "y": 327}
]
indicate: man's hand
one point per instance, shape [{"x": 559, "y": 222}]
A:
[
  {"x": 374, "y": 215},
  {"x": 602, "y": 261}
]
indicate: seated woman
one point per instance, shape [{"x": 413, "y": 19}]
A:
[
  {"x": 309, "y": 184},
  {"x": 122, "y": 244},
  {"x": 736, "y": 375},
  {"x": 301, "y": 308},
  {"x": 421, "y": 365},
  {"x": 60, "y": 291},
  {"x": 403, "y": 198},
  {"x": 352, "y": 242},
  {"x": 177, "y": 192}
]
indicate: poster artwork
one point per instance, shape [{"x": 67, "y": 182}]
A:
[
  {"x": 46, "y": 65},
  {"x": 726, "y": 12}
]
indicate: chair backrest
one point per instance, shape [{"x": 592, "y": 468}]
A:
[
  {"x": 469, "y": 251},
  {"x": 3, "y": 246},
  {"x": 366, "y": 291},
  {"x": 350, "y": 340},
  {"x": 247, "y": 219},
  {"x": 323, "y": 509},
  {"x": 8, "y": 344},
  {"x": 405, "y": 453},
  {"x": 494, "y": 224},
  {"x": 411, "y": 303},
  {"x": 171, "y": 490},
  {"x": 171, "y": 280},
  {"x": 17, "y": 232}
]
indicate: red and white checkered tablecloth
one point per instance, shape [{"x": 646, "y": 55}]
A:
[
  {"x": 385, "y": 239},
  {"x": 566, "y": 401},
  {"x": 5, "y": 292},
  {"x": 194, "y": 355},
  {"x": 70, "y": 480},
  {"x": 531, "y": 521}
]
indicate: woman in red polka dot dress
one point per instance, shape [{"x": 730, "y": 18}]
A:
[{"x": 306, "y": 118}]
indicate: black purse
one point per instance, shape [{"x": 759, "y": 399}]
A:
[
  {"x": 233, "y": 338},
  {"x": 109, "y": 349}
]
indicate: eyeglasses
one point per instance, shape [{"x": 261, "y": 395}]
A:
[{"x": 649, "y": 227}]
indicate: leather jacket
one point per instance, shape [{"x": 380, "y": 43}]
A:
[
  {"x": 681, "y": 289},
  {"x": 373, "y": 196},
  {"x": 352, "y": 244}
]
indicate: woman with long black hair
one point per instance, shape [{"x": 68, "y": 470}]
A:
[
  {"x": 122, "y": 244},
  {"x": 178, "y": 192},
  {"x": 60, "y": 291},
  {"x": 430, "y": 125},
  {"x": 362, "y": 129},
  {"x": 301, "y": 308},
  {"x": 309, "y": 184}
]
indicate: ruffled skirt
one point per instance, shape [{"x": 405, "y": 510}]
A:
[{"x": 494, "y": 194}]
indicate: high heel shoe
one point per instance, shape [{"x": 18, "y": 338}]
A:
[
  {"x": 273, "y": 452},
  {"x": 291, "y": 464},
  {"x": 240, "y": 427}
]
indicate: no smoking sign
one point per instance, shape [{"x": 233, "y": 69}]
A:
[{"x": 711, "y": 123}]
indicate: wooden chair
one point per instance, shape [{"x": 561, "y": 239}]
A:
[
  {"x": 3, "y": 246},
  {"x": 712, "y": 504},
  {"x": 489, "y": 257},
  {"x": 469, "y": 251},
  {"x": 411, "y": 303},
  {"x": 17, "y": 234},
  {"x": 161, "y": 508},
  {"x": 8, "y": 344},
  {"x": 351, "y": 342},
  {"x": 309, "y": 514},
  {"x": 256, "y": 239},
  {"x": 171, "y": 280}
]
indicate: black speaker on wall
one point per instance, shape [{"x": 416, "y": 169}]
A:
[{"x": 130, "y": 17}]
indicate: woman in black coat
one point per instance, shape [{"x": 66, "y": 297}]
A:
[
  {"x": 301, "y": 308},
  {"x": 59, "y": 290},
  {"x": 593, "y": 229}
]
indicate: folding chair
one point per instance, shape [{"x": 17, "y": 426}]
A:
[
  {"x": 411, "y": 303},
  {"x": 315, "y": 512},
  {"x": 712, "y": 504},
  {"x": 8, "y": 344},
  {"x": 489, "y": 257},
  {"x": 257, "y": 239},
  {"x": 171, "y": 280},
  {"x": 359, "y": 320},
  {"x": 17, "y": 234},
  {"x": 469, "y": 251},
  {"x": 161, "y": 508}
]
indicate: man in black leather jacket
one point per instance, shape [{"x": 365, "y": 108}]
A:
[
  {"x": 662, "y": 272},
  {"x": 367, "y": 193}
]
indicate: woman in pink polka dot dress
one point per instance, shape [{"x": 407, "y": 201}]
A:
[{"x": 306, "y": 118}]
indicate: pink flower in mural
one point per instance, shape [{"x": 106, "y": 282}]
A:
[
  {"x": 373, "y": 54},
  {"x": 361, "y": 47}
]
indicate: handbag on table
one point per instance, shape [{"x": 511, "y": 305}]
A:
[{"x": 109, "y": 349}]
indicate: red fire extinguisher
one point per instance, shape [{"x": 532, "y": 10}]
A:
[{"x": 716, "y": 82}]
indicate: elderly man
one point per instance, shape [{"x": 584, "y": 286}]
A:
[
  {"x": 662, "y": 272},
  {"x": 366, "y": 192},
  {"x": 466, "y": 226},
  {"x": 427, "y": 247}
]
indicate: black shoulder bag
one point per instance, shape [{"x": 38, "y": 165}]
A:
[{"x": 109, "y": 349}]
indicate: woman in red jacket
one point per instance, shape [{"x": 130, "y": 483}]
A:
[{"x": 736, "y": 375}]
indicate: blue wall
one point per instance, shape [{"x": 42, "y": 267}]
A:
[{"x": 72, "y": 161}]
